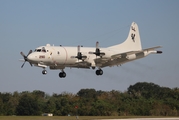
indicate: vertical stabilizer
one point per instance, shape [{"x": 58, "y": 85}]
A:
[{"x": 132, "y": 43}]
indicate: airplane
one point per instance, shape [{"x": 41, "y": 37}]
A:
[{"x": 60, "y": 57}]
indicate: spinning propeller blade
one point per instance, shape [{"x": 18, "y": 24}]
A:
[
  {"x": 97, "y": 51},
  {"x": 25, "y": 58},
  {"x": 97, "y": 44},
  {"x": 79, "y": 54}
]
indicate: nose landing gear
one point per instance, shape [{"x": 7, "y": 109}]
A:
[{"x": 44, "y": 72}]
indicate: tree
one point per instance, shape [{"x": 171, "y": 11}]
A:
[
  {"x": 1, "y": 107},
  {"x": 50, "y": 106},
  {"x": 87, "y": 93},
  {"x": 147, "y": 90},
  {"x": 27, "y": 106},
  {"x": 140, "y": 99},
  {"x": 38, "y": 93}
]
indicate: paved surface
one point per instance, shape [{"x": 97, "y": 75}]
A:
[{"x": 177, "y": 118}]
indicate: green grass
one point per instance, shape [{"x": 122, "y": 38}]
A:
[{"x": 70, "y": 117}]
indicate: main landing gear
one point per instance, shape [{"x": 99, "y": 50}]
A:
[
  {"x": 62, "y": 74},
  {"x": 99, "y": 72}
]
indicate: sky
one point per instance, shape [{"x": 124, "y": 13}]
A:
[{"x": 27, "y": 24}]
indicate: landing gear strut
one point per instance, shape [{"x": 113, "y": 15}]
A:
[
  {"x": 99, "y": 72},
  {"x": 62, "y": 74}
]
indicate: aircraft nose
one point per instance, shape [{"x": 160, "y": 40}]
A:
[{"x": 31, "y": 57}]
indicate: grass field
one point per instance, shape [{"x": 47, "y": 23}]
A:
[{"x": 69, "y": 117}]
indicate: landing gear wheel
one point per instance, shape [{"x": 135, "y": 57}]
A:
[
  {"x": 62, "y": 74},
  {"x": 99, "y": 72},
  {"x": 44, "y": 72}
]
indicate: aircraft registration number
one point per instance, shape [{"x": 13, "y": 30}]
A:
[{"x": 41, "y": 56}]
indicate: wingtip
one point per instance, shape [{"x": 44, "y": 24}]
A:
[{"x": 159, "y": 52}]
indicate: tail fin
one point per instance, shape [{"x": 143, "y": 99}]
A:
[{"x": 132, "y": 43}]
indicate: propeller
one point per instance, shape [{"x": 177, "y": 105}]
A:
[
  {"x": 79, "y": 54},
  {"x": 25, "y": 58},
  {"x": 97, "y": 51}
]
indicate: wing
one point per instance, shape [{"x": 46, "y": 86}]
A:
[
  {"x": 81, "y": 64},
  {"x": 78, "y": 64},
  {"x": 134, "y": 52},
  {"x": 110, "y": 62},
  {"x": 122, "y": 58}
]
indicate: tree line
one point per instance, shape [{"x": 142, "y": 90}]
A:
[{"x": 142, "y": 98}]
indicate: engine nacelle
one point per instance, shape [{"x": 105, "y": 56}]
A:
[{"x": 131, "y": 57}]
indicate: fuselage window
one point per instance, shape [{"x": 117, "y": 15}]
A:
[{"x": 58, "y": 53}]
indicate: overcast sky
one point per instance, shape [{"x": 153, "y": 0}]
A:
[{"x": 27, "y": 24}]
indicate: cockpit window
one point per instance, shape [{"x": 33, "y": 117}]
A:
[
  {"x": 37, "y": 50},
  {"x": 43, "y": 49},
  {"x": 40, "y": 50}
]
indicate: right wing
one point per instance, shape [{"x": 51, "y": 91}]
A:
[{"x": 122, "y": 58}]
